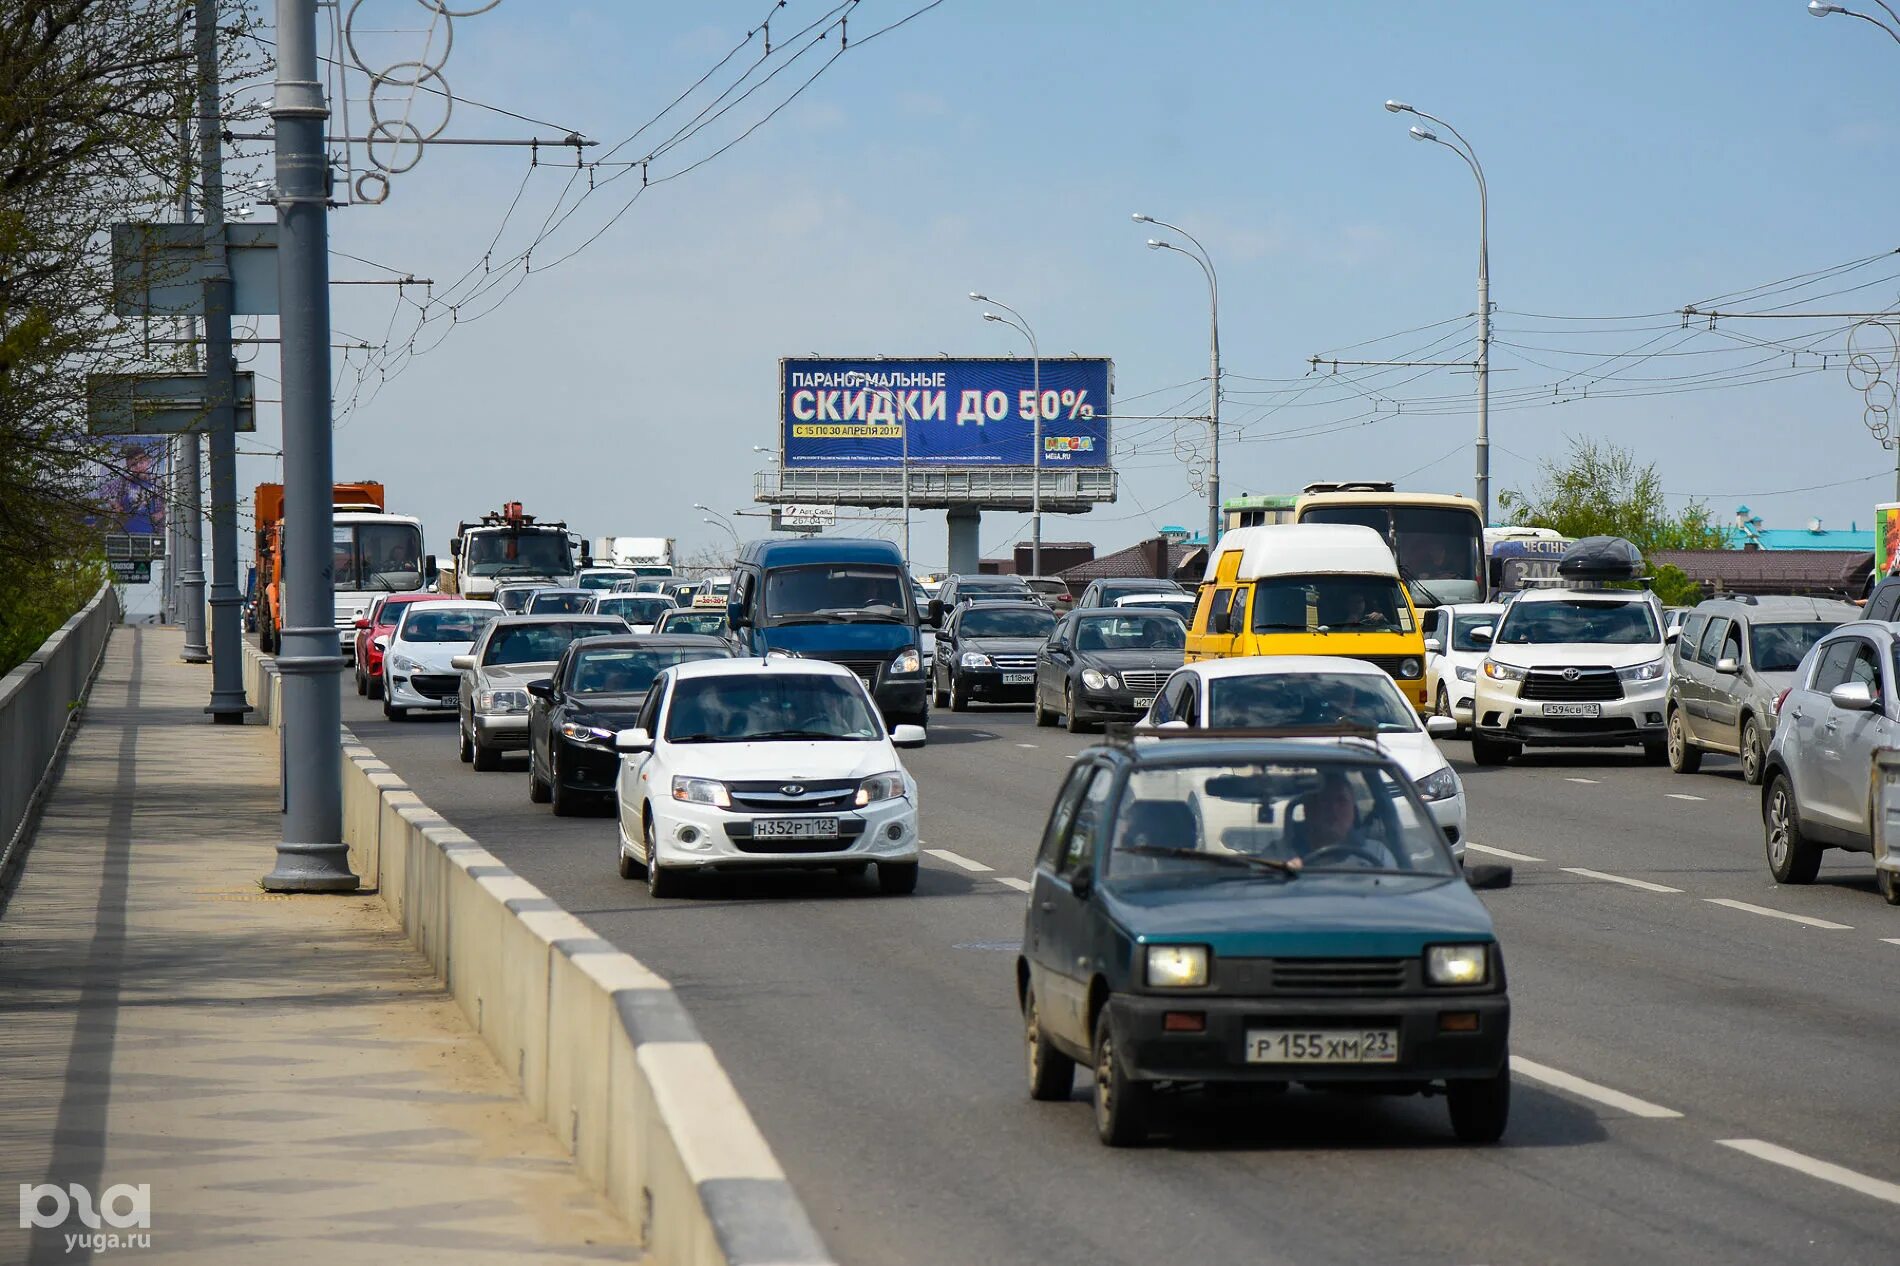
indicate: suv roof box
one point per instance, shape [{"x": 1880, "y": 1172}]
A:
[{"x": 1602, "y": 558}]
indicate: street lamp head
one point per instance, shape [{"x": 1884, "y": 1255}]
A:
[
  {"x": 1423, "y": 134},
  {"x": 1155, "y": 244},
  {"x": 1139, "y": 218},
  {"x": 1398, "y": 107},
  {"x": 991, "y": 316},
  {"x": 698, "y": 506},
  {"x": 1820, "y": 8},
  {"x": 979, "y": 298}
]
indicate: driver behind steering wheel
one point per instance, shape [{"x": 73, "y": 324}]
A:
[{"x": 1333, "y": 829}]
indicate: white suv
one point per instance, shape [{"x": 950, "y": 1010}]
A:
[
  {"x": 1573, "y": 668},
  {"x": 743, "y": 763}
]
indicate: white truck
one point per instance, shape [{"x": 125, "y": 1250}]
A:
[
  {"x": 504, "y": 546},
  {"x": 643, "y": 555}
]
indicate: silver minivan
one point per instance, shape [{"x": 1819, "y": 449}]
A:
[{"x": 1734, "y": 657}]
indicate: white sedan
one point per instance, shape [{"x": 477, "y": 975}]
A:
[
  {"x": 1300, "y": 692},
  {"x": 1452, "y": 656},
  {"x": 747, "y": 763}
]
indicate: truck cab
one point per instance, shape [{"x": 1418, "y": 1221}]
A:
[
  {"x": 846, "y": 601},
  {"x": 509, "y": 545}
]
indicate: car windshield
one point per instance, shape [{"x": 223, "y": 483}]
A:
[
  {"x": 836, "y": 591},
  {"x": 1330, "y": 604},
  {"x": 525, "y": 553},
  {"x": 540, "y": 643},
  {"x": 1283, "y": 819},
  {"x": 678, "y": 621},
  {"x": 391, "y": 610},
  {"x": 450, "y": 624},
  {"x": 1778, "y": 648},
  {"x": 1578, "y": 620},
  {"x": 628, "y": 671},
  {"x": 1131, "y": 632},
  {"x": 1274, "y": 700},
  {"x": 1043, "y": 584},
  {"x": 1183, "y": 606},
  {"x": 555, "y": 602},
  {"x": 601, "y": 579},
  {"x": 514, "y": 601},
  {"x": 1462, "y": 625},
  {"x": 978, "y": 590},
  {"x": 634, "y": 608},
  {"x": 1111, "y": 594},
  {"x": 767, "y": 706},
  {"x": 1006, "y": 622},
  {"x": 376, "y": 556}
]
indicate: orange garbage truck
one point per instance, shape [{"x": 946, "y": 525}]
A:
[{"x": 372, "y": 552}]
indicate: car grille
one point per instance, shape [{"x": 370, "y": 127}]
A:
[
  {"x": 1390, "y": 663},
  {"x": 436, "y": 685},
  {"x": 866, "y": 669},
  {"x": 1144, "y": 681},
  {"x": 830, "y": 796},
  {"x": 1340, "y": 975},
  {"x": 1590, "y": 685},
  {"x": 1014, "y": 663}
]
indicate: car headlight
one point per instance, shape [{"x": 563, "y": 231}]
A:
[
  {"x": 590, "y": 734},
  {"x": 907, "y": 661},
  {"x": 879, "y": 787},
  {"x": 1410, "y": 667},
  {"x": 1440, "y": 784},
  {"x": 1457, "y": 964},
  {"x": 1177, "y": 966},
  {"x": 974, "y": 659},
  {"x": 1096, "y": 680},
  {"x": 402, "y": 664},
  {"x": 1467, "y": 673},
  {"x": 701, "y": 791},
  {"x": 1652, "y": 671},
  {"x": 501, "y": 701},
  {"x": 1502, "y": 672}
]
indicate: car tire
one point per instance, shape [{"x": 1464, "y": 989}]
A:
[
  {"x": 1480, "y": 1109},
  {"x": 629, "y": 868},
  {"x": 959, "y": 698},
  {"x": 464, "y": 749},
  {"x": 1656, "y": 753},
  {"x": 538, "y": 789},
  {"x": 362, "y": 683},
  {"x": 1684, "y": 757},
  {"x": 938, "y": 695},
  {"x": 1122, "y": 1104},
  {"x": 1051, "y": 1073},
  {"x": 1044, "y": 718},
  {"x": 661, "y": 882},
  {"x": 1486, "y": 751},
  {"x": 1441, "y": 706},
  {"x": 393, "y": 713},
  {"x": 1792, "y": 857},
  {"x": 375, "y": 685},
  {"x": 1071, "y": 722},
  {"x": 1889, "y": 884},
  {"x": 487, "y": 759},
  {"x": 564, "y": 802},
  {"x": 897, "y": 879},
  {"x": 1754, "y": 753}
]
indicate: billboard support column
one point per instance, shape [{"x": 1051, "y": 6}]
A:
[{"x": 964, "y": 522}]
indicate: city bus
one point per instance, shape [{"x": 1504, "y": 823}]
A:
[
  {"x": 1516, "y": 558},
  {"x": 1438, "y": 537}
]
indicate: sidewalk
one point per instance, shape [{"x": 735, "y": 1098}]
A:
[{"x": 284, "y": 1072}]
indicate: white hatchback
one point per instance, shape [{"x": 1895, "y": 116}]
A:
[
  {"x": 1296, "y": 692},
  {"x": 1453, "y": 656},
  {"x": 417, "y": 672},
  {"x": 747, "y": 763}
]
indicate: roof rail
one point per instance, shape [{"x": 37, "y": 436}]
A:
[{"x": 1357, "y": 485}]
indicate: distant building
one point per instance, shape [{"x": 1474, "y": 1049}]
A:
[
  {"x": 1749, "y": 532},
  {"x": 1158, "y": 556}
]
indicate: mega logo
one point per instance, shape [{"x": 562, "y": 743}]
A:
[{"x": 122, "y": 1205}]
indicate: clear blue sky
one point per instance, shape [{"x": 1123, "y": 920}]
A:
[{"x": 1641, "y": 157}]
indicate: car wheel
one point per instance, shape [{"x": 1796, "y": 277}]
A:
[
  {"x": 661, "y": 882},
  {"x": 565, "y": 803},
  {"x": 1122, "y": 1104},
  {"x": 1044, "y": 717},
  {"x": 537, "y": 785},
  {"x": 1073, "y": 723},
  {"x": 938, "y": 695},
  {"x": 1442, "y": 705},
  {"x": 487, "y": 759},
  {"x": 1051, "y": 1073},
  {"x": 959, "y": 697},
  {"x": 375, "y": 685},
  {"x": 1754, "y": 755},
  {"x": 362, "y": 683},
  {"x": 464, "y": 748},
  {"x": 897, "y": 879},
  {"x": 1480, "y": 1109},
  {"x": 394, "y": 713},
  {"x": 1684, "y": 756},
  {"x": 629, "y": 868},
  {"x": 1492, "y": 751},
  {"x": 1792, "y": 857}
]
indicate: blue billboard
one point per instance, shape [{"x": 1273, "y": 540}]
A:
[{"x": 862, "y": 414}]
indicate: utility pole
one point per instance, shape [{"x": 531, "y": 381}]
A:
[
  {"x": 1200, "y": 256},
  {"x": 227, "y": 704},
  {"x": 1020, "y": 324},
  {"x": 311, "y": 856}
]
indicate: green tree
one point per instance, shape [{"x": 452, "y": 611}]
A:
[{"x": 1600, "y": 489}]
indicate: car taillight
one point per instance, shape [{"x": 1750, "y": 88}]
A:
[{"x": 1781, "y": 699}]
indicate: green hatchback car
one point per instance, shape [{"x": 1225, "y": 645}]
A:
[{"x": 1256, "y": 911}]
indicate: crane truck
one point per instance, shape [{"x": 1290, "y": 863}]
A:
[{"x": 509, "y": 545}]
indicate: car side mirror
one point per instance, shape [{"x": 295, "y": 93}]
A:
[
  {"x": 462, "y": 663},
  {"x": 1176, "y": 724},
  {"x": 1728, "y": 665},
  {"x": 909, "y": 736},
  {"x": 1435, "y": 646},
  {"x": 736, "y": 616},
  {"x": 361, "y": 623},
  {"x": 1672, "y": 637},
  {"x": 1484, "y": 633},
  {"x": 1082, "y": 883},
  {"x": 1489, "y": 875},
  {"x": 632, "y": 742},
  {"x": 934, "y": 613},
  {"x": 1218, "y": 623},
  {"x": 542, "y": 689},
  {"x": 1438, "y": 726},
  {"x": 1853, "y": 696}
]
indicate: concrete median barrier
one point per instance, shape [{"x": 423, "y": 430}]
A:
[{"x": 596, "y": 1042}]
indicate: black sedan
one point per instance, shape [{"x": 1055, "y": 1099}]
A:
[
  {"x": 1106, "y": 664},
  {"x": 987, "y": 651},
  {"x": 598, "y": 688}
]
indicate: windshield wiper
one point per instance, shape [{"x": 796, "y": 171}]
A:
[
  {"x": 1248, "y": 860},
  {"x": 774, "y": 735},
  {"x": 878, "y": 614},
  {"x": 1288, "y": 628}
]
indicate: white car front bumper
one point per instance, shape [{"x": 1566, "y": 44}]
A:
[
  {"x": 1637, "y": 718},
  {"x": 696, "y": 837}
]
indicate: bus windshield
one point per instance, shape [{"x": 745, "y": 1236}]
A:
[
  {"x": 1440, "y": 547},
  {"x": 381, "y": 557}
]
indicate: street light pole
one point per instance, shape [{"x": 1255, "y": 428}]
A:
[
  {"x": 1463, "y": 150},
  {"x": 1035, "y": 458},
  {"x": 1820, "y": 9},
  {"x": 1200, "y": 256}
]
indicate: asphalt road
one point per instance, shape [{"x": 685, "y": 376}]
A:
[{"x": 1733, "y": 1064}]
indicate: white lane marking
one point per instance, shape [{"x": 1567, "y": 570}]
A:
[
  {"x": 1890, "y": 940},
  {"x": 1683, "y": 795},
  {"x": 1070, "y": 757},
  {"x": 1025, "y": 744},
  {"x": 1839, "y": 1175},
  {"x": 1588, "y": 782},
  {"x": 1590, "y": 1090},
  {"x": 957, "y": 859},
  {"x": 1608, "y": 878},
  {"x": 1802, "y": 919},
  {"x": 1500, "y": 852},
  {"x": 1020, "y": 885}
]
